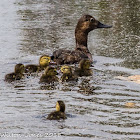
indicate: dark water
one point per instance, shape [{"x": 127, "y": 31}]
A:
[{"x": 95, "y": 106}]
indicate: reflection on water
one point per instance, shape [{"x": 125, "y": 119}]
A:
[{"x": 95, "y": 106}]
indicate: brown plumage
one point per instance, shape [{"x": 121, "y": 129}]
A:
[
  {"x": 59, "y": 113},
  {"x": 85, "y": 24},
  {"x": 43, "y": 63},
  {"x": 84, "y": 68},
  {"x": 67, "y": 74},
  {"x": 17, "y": 75},
  {"x": 49, "y": 75}
]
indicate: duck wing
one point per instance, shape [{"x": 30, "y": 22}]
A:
[{"x": 67, "y": 56}]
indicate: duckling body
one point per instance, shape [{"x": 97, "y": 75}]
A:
[
  {"x": 59, "y": 113},
  {"x": 31, "y": 68},
  {"x": 49, "y": 75},
  {"x": 84, "y": 68},
  {"x": 85, "y": 24},
  {"x": 56, "y": 115},
  {"x": 17, "y": 75},
  {"x": 67, "y": 74},
  {"x": 43, "y": 63}
]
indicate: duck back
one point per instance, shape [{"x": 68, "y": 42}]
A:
[{"x": 68, "y": 57}]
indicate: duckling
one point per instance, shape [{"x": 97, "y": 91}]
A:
[
  {"x": 85, "y": 24},
  {"x": 49, "y": 75},
  {"x": 43, "y": 63},
  {"x": 84, "y": 68},
  {"x": 59, "y": 113},
  {"x": 67, "y": 74},
  {"x": 17, "y": 75}
]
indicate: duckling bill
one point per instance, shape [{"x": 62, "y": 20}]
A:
[
  {"x": 59, "y": 113},
  {"x": 17, "y": 75},
  {"x": 85, "y": 24}
]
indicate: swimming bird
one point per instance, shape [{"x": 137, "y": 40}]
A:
[
  {"x": 59, "y": 113},
  {"x": 49, "y": 75},
  {"x": 43, "y": 63},
  {"x": 67, "y": 74},
  {"x": 17, "y": 75},
  {"x": 84, "y": 68},
  {"x": 85, "y": 24}
]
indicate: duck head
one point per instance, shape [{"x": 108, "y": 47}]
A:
[
  {"x": 44, "y": 60},
  {"x": 88, "y": 23},
  {"x": 66, "y": 69},
  {"x": 50, "y": 71},
  {"x": 60, "y": 106},
  {"x": 19, "y": 68}
]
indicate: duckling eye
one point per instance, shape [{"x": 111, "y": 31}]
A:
[{"x": 91, "y": 20}]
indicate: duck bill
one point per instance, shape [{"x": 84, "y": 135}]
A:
[{"x": 101, "y": 25}]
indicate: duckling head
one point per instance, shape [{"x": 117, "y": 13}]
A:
[
  {"x": 19, "y": 68},
  {"x": 44, "y": 60},
  {"x": 50, "y": 71},
  {"x": 85, "y": 64},
  {"x": 60, "y": 106},
  {"x": 88, "y": 23},
  {"x": 66, "y": 69}
]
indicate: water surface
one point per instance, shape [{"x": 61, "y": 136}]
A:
[{"x": 95, "y": 105}]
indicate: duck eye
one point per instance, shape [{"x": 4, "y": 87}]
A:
[{"x": 91, "y": 20}]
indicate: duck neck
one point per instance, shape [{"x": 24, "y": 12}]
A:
[{"x": 81, "y": 41}]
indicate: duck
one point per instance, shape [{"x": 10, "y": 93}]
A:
[
  {"x": 84, "y": 68},
  {"x": 44, "y": 61},
  {"x": 49, "y": 75},
  {"x": 67, "y": 74},
  {"x": 17, "y": 75},
  {"x": 59, "y": 113},
  {"x": 85, "y": 24}
]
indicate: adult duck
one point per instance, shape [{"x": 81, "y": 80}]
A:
[{"x": 85, "y": 24}]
